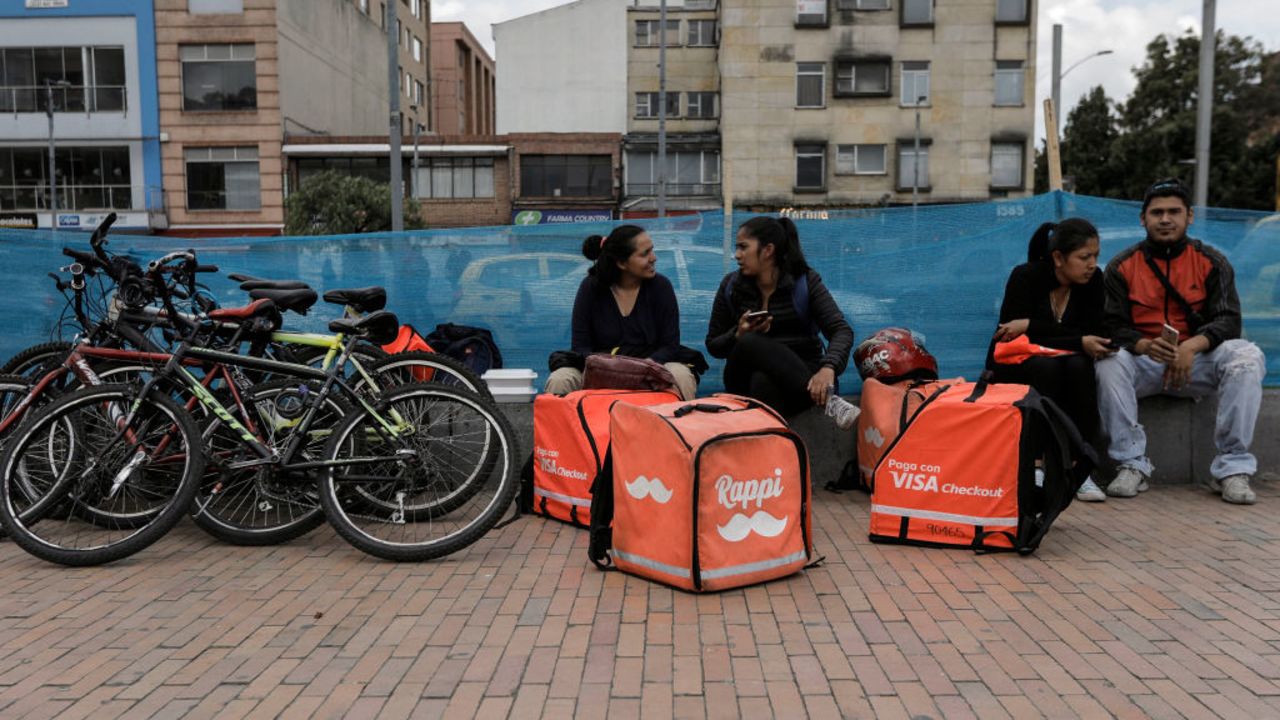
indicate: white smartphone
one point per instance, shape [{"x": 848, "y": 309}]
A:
[
  {"x": 756, "y": 315},
  {"x": 1170, "y": 334}
]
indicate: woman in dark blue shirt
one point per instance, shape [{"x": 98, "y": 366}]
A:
[{"x": 625, "y": 307}]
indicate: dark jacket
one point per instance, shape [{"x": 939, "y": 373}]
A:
[
  {"x": 1026, "y": 295},
  {"x": 787, "y": 328},
  {"x": 652, "y": 330},
  {"x": 1137, "y": 304}
]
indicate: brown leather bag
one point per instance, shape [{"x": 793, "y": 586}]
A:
[{"x": 620, "y": 372}]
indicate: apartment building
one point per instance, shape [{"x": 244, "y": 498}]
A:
[
  {"x": 82, "y": 78},
  {"x": 692, "y": 116},
  {"x": 821, "y": 99},
  {"x": 462, "y": 82}
]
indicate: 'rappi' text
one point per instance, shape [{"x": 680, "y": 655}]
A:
[
  {"x": 735, "y": 493},
  {"x": 924, "y": 478}
]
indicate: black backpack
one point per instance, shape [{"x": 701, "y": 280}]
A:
[{"x": 473, "y": 346}]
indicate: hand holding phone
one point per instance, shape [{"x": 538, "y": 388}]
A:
[
  {"x": 756, "y": 316},
  {"x": 1169, "y": 334}
]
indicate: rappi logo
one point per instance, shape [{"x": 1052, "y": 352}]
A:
[{"x": 742, "y": 494}]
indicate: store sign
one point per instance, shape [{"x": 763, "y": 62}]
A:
[
  {"x": 18, "y": 220},
  {"x": 45, "y": 4},
  {"x": 90, "y": 221},
  {"x": 556, "y": 217}
]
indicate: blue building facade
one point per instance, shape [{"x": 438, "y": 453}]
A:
[{"x": 95, "y": 62}]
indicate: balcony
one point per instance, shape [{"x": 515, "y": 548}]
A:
[{"x": 70, "y": 98}]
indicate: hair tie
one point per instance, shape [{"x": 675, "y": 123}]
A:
[{"x": 603, "y": 240}]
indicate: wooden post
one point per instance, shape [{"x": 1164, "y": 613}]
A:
[{"x": 1051, "y": 147}]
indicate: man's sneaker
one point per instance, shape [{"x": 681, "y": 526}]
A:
[
  {"x": 1090, "y": 492},
  {"x": 1236, "y": 490},
  {"x": 844, "y": 412},
  {"x": 1128, "y": 483}
]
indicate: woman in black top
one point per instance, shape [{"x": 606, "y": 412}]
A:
[
  {"x": 766, "y": 318},
  {"x": 625, "y": 307},
  {"x": 1056, "y": 300}
]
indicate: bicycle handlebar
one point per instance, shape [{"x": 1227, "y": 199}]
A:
[{"x": 89, "y": 261}]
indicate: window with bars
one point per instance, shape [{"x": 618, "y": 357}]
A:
[
  {"x": 702, "y": 33},
  {"x": 915, "y": 83},
  {"x": 647, "y": 105},
  {"x": 1009, "y": 82},
  {"x": 647, "y": 33},
  {"x": 689, "y": 173},
  {"x": 223, "y": 178},
  {"x": 219, "y": 77},
  {"x": 1006, "y": 165},
  {"x": 811, "y": 166},
  {"x": 907, "y": 166},
  {"x": 863, "y": 159},
  {"x": 811, "y": 85},
  {"x": 862, "y": 77}
]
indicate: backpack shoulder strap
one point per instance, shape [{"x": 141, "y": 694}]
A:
[
  {"x": 1068, "y": 460},
  {"x": 800, "y": 296},
  {"x": 600, "y": 533},
  {"x": 728, "y": 291}
]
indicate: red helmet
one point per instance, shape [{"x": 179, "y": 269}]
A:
[{"x": 894, "y": 354}]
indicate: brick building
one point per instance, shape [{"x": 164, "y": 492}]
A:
[{"x": 463, "y": 82}]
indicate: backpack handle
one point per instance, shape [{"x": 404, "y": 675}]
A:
[{"x": 700, "y": 407}]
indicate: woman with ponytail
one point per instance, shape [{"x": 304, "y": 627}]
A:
[
  {"x": 766, "y": 319},
  {"x": 625, "y": 307},
  {"x": 1056, "y": 300}
]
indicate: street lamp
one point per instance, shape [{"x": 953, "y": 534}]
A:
[
  {"x": 53, "y": 176},
  {"x": 915, "y": 173},
  {"x": 1057, "y": 76}
]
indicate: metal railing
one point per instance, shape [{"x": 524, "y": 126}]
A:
[
  {"x": 68, "y": 98},
  {"x": 676, "y": 189},
  {"x": 74, "y": 198}
]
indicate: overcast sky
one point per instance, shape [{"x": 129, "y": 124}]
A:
[{"x": 1122, "y": 26}]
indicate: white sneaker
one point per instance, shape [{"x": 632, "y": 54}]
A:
[
  {"x": 842, "y": 411},
  {"x": 1236, "y": 490},
  {"x": 1128, "y": 483},
  {"x": 1090, "y": 492}
]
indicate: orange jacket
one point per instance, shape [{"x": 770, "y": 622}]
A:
[{"x": 1137, "y": 304}]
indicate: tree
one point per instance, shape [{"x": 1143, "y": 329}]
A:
[
  {"x": 1087, "y": 146},
  {"x": 334, "y": 204}
]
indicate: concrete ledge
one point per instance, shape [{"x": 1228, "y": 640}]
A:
[{"x": 1179, "y": 438}]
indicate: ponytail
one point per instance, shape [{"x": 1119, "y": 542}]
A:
[
  {"x": 782, "y": 234},
  {"x": 1065, "y": 237}
]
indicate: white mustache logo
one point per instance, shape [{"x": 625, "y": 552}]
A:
[
  {"x": 642, "y": 487},
  {"x": 874, "y": 437},
  {"x": 762, "y": 523}
]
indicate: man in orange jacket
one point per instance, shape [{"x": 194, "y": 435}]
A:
[{"x": 1165, "y": 283}]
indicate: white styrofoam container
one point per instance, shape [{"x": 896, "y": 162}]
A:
[{"x": 511, "y": 385}]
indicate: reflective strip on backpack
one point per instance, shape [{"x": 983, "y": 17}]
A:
[
  {"x": 682, "y": 573},
  {"x": 580, "y": 502},
  {"x": 945, "y": 517},
  {"x": 749, "y": 568}
]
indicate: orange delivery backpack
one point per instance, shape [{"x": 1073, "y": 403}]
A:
[
  {"x": 886, "y": 409},
  {"x": 703, "y": 495},
  {"x": 963, "y": 470},
  {"x": 570, "y": 440},
  {"x": 409, "y": 339}
]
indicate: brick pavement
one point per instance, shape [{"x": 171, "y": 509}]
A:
[{"x": 1165, "y": 606}]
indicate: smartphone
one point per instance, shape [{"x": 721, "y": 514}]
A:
[
  {"x": 756, "y": 315},
  {"x": 1170, "y": 334}
]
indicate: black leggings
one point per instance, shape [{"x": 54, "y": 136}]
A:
[
  {"x": 1067, "y": 380},
  {"x": 765, "y": 369}
]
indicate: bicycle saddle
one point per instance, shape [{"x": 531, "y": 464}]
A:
[
  {"x": 377, "y": 327},
  {"x": 363, "y": 300},
  {"x": 274, "y": 285},
  {"x": 257, "y": 308},
  {"x": 298, "y": 301}
]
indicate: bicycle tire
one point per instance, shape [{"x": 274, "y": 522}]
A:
[
  {"x": 262, "y": 505},
  {"x": 417, "y": 366},
  {"x": 314, "y": 356},
  {"x": 28, "y": 362},
  {"x": 413, "y": 464},
  {"x": 49, "y": 527}
]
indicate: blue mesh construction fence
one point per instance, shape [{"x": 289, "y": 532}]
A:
[{"x": 939, "y": 270}]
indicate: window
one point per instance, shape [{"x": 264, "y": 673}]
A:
[
  {"x": 647, "y": 33},
  {"x": 89, "y": 178},
  {"x": 223, "y": 178},
  {"x": 208, "y": 7},
  {"x": 566, "y": 176},
  {"x": 811, "y": 85},
  {"x": 811, "y": 171},
  {"x": 702, "y": 33},
  {"x": 417, "y": 49},
  {"x": 1006, "y": 165},
  {"x": 700, "y": 105},
  {"x": 864, "y": 4},
  {"x": 647, "y": 104},
  {"x": 917, "y": 12},
  {"x": 915, "y": 83},
  {"x": 377, "y": 169},
  {"x": 861, "y": 77},
  {"x": 689, "y": 173},
  {"x": 1009, "y": 78},
  {"x": 860, "y": 160},
  {"x": 454, "y": 178},
  {"x": 811, "y": 12},
  {"x": 218, "y": 77},
  {"x": 418, "y": 91},
  {"x": 382, "y": 7},
  {"x": 1011, "y": 11},
  {"x": 408, "y": 85},
  {"x": 364, "y": 6},
  {"x": 907, "y": 165},
  {"x": 95, "y": 79}
]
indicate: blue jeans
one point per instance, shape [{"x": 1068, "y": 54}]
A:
[{"x": 1233, "y": 371}]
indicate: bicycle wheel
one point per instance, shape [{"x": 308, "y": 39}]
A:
[
  {"x": 314, "y": 356},
  {"x": 437, "y": 487},
  {"x": 78, "y": 453},
  {"x": 264, "y": 505},
  {"x": 28, "y": 362},
  {"x": 420, "y": 366}
]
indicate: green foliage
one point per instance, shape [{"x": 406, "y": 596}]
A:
[
  {"x": 334, "y": 204},
  {"x": 1117, "y": 151}
]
